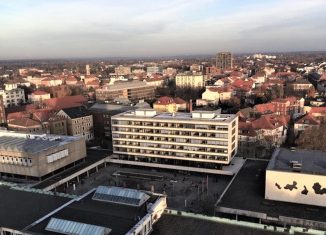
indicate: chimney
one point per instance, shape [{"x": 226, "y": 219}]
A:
[{"x": 190, "y": 105}]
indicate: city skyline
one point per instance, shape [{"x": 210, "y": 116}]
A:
[{"x": 79, "y": 29}]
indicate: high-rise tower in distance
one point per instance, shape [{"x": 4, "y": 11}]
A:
[
  {"x": 224, "y": 60},
  {"x": 88, "y": 70}
]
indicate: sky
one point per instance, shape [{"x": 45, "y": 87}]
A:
[{"x": 35, "y": 29}]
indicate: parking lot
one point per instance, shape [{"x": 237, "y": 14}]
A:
[{"x": 194, "y": 193}]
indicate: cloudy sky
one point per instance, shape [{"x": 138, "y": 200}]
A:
[{"x": 109, "y": 28}]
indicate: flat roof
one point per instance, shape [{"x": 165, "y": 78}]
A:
[
  {"x": 195, "y": 115},
  {"x": 124, "y": 85},
  {"x": 118, "y": 217},
  {"x": 247, "y": 193},
  {"x": 176, "y": 224},
  {"x": 19, "y": 208},
  {"x": 32, "y": 143},
  {"x": 312, "y": 161}
]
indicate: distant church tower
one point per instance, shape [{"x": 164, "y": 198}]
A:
[{"x": 88, "y": 70}]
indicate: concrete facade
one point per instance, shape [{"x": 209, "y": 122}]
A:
[
  {"x": 38, "y": 155},
  {"x": 193, "y": 138}
]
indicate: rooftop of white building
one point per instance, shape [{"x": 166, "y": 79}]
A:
[
  {"x": 298, "y": 160},
  {"x": 195, "y": 115}
]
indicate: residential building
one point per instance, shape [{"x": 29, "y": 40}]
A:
[
  {"x": 224, "y": 60},
  {"x": 282, "y": 106},
  {"x": 35, "y": 155},
  {"x": 190, "y": 80},
  {"x": 102, "y": 114},
  {"x": 12, "y": 97},
  {"x": 26, "y": 125},
  {"x": 51, "y": 81},
  {"x": 60, "y": 91},
  {"x": 301, "y": 85},
  {"x": 38, "y": 96},
  {"x": 132, "y": 90},
  {"x": 57, "y": 125},
  {"x": 305, "y": 122},
  {"x": 296, "y": 177},
  {"x": 214, "y": 94},
  {"x": 165, "y": 104},
  {"x": 88, "y": 70},
  {"x": 122, "y": 70},
  {"x": 198, "y": 141},
  {"x": 292, "y": 106},
  {"x": 269, "y": 129},
  {"x": 213, "y": 71},
  {"x": 182, "y": 105},
  {"x": 317, "y": 112},
  {"x": 65, "y": 102},
  {"x": 155, "y": 80},
  {"x": 153, "y": 69},
  {"x": 169, "y": 72},
  {"x": 2, "y": 111},
  {"x": 79, "y": 122},
  {"x": 196, "y": 68}
]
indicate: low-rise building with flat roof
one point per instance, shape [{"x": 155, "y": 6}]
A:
[
  {"x": 33, "y": 155},
  {"x": 131, "y": 90},
  {"x": 297, "y": 176},
  {"x": 101, "y": 211}
]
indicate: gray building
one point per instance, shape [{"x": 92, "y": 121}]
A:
[{"x": 224, "y": 60}]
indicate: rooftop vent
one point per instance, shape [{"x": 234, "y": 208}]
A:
[{"x": 295, "y": 165}]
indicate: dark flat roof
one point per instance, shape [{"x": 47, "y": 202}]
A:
[
  {"x": 175, "y": 224},
  {"x": 313, "y": 161},
  {"x": 93, "y": 156},
  {"x": 19, "y": 209},
  {"x": 120, "y": 218},
  {"x": 247, "y": 192}
]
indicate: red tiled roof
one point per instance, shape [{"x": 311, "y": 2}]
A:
[
  {"x": 164, "y": 100},
  {"x": 21, "y": 108},
  {"x": 219, "y": 89},
  {"x": 308, "y": 119},
  {"x": 40, "y": 93},
  {"x": 179, "y": 101},
  {"x": 93, "y": 83},
  {"x": 65, "y": 102},
  {"x": 24, "y": 122},
  {"x": 265, "y": 108},
  {"x": 16, "y": 115},
  {"x": 270, "y": 121},
  {"x": 42, "y": 115},
  {"x": 317, "y": 110}
]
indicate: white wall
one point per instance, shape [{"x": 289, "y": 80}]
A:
[{"x": 272, "y": 192}]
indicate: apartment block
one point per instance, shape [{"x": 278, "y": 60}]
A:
[
  {"x": 190, "y": 80},
  {"x": 12, "y": 97},
  {"x": 224, "y": 60},
  {"x": 79, "y": 122},
  {"x": 199, "y": 139},
  {"x": 133, "y": 91}
]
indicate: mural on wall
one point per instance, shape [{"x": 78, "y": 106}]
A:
[
  {"x": 305, "y": 191},
  {"x": 318, "y": 189},
  {"x": 278, "y": 186},
  {"x": 291, "y": 186}
]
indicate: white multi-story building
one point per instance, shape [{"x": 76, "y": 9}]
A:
[
  {"x": 190, "y": 80},
  {"x": 12, "y": 96},
  {"x": 185, "y": 141}
]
